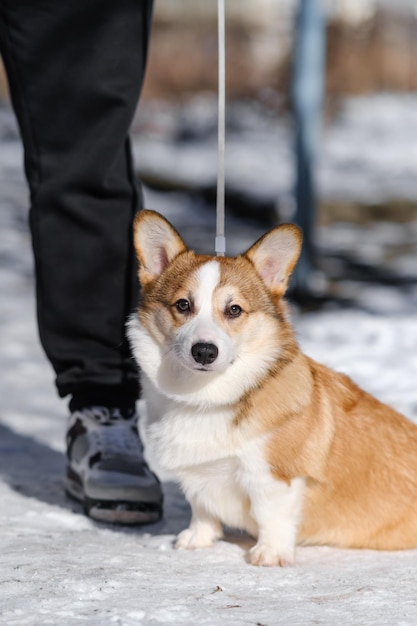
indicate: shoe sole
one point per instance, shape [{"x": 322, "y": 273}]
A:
[{"x": 113, "y": 511}]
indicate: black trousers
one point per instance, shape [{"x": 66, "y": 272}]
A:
[{"x": 75, "y": 71}]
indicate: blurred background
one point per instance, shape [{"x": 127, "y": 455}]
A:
[
  {"x": 321, "y": 130},
  {"x": 360, "y": 201}
]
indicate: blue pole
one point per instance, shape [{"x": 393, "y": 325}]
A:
[{"x": 307, "y": 101}]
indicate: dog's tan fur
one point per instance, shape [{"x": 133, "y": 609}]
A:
[{"x": 358, "y": 456}]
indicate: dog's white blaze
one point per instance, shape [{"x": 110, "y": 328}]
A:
[
  {"x": 208, "y": 278},
  {"x": 204, "y": 326}
]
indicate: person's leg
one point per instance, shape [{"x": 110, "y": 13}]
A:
[{"x": 75, "y": 71}]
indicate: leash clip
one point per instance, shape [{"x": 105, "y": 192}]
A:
[{"x": 220, "y": 245}]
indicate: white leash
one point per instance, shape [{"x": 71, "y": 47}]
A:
[{"x": 220, "y": 241}]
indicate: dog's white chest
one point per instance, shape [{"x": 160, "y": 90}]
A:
[
  {"x": 182, "y": 437},
  {"x": 210, "y": 458}
]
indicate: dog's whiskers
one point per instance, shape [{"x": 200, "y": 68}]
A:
[{"x": 171, "y": 349}]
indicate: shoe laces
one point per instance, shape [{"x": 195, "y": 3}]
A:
[{"x": 115, "y": 434}]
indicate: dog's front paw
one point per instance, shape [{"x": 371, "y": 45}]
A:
[
  {"x": 192, "y": 538},
  {"x": 268, "y": 557}
]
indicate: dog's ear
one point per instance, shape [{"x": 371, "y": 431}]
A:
[
  {"x": 156, "y": 242},
  {"x": 275, "y": 254}
]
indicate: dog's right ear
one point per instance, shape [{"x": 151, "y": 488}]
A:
[{"x": 156, "y": 242}]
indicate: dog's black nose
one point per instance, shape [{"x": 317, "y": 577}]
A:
[{"x": 204, "y": 353}]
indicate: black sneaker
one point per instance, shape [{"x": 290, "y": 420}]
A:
[{"x": 106, "y": 469}]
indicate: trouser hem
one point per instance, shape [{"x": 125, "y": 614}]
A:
[{"x": 122, "y": 397}]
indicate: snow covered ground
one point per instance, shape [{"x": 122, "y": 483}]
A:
[{"x": 58, "y": 567}]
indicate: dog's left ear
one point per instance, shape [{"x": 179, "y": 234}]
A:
[
  {"x": 275, "y": 255},
  {"x": 156, "y": 242}
]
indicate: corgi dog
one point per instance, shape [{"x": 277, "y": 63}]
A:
[{"x": 261, "y": 437}]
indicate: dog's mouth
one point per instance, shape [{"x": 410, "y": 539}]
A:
[
  {"x": 207, "y": 369},
  {"x": 203, "y": 369},
  {"x": 194, "y": 367}
]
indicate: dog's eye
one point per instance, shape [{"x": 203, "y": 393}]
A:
[
  {"x": 234, "y": 310},
  {"x": 183, "y": 306}
]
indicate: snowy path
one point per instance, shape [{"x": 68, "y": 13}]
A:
[{"x": 58, "y": 567}]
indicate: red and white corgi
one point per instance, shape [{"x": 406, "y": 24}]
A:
[{"x": 260, "y": 436}]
